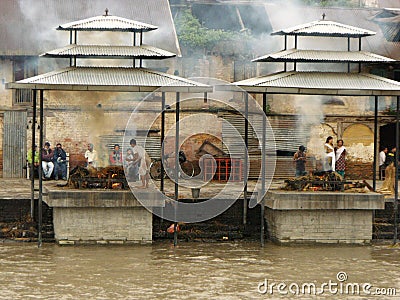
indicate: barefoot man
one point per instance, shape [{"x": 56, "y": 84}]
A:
[{"x": 140, "y": 157}]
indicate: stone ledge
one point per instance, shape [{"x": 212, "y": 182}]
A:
[
  {"x": 288, "y": 200},
  {"x": 103, "y": 242},
  {"x": 58, "y": 197}
]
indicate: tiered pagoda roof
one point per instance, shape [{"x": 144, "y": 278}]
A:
[
  {"x": 318, "y": 82},
  {"x": 134, "y": 77}
]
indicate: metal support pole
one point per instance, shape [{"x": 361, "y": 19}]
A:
[
  {"x": 246, "y": 138},
  {"x": 134, "y": 44},
  {"x": 263, "y": 171},
  {"x": 40, "y": 172},
  {"x": 348, "y": 49},
  {"x": 32, "y": 162},
  {"x": 162, "y": 139},
  {"x": 375, "y": 142},
  {"x": 396, "y": 165},
  {"x": 70, "y": 42},
  {"x": 359, "y": 49},
  {"x": 176, "y": 164}
]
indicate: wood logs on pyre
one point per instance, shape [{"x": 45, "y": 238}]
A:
[
  {"x": 112, "y": 177},
  {"x": 322, "y": 181}
]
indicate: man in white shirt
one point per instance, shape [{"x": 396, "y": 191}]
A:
[
  {"x": 91, "y": 156},
  {"x": 382, "y": 159},
  {"x": 139, "y": 157}
]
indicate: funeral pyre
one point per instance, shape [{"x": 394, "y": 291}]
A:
[
  {"x": 324, "y": 181},
  {"x": 112, "y": 177}
]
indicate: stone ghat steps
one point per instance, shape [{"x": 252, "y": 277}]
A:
[
  {"x": 384, "y": 229},
  {"x": 227, "y": 226},
  {"x": 383, "y": 225},
  {"x": 208, "y": 231}
]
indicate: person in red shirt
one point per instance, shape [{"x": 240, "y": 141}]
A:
[{"x": 116, "y": 156}]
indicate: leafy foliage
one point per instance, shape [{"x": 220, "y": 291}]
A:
[
  {"x": 193, "y": 35},
  {"x": 334, "y": 3}
]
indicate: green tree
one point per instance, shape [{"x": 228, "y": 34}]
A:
[
  {"x": 334, "y": 3},
  {"x": 193, "y": 35}
]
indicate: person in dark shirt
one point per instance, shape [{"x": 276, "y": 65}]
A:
[
  {"x": 47, "y": 160},
  {"x": 300, "y": 158},
  {"x": 60, "y": 162}
]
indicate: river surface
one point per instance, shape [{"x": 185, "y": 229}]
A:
[{"x": 231, "y": 270}]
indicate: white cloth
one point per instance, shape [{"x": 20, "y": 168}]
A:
[
  {"x": 382, "y": 158},
  {"x": 339, "y": 151},
  {"x": 141, "y": 154},
  {"x": 332, "y": 155},
  {"x": 91, "y": 157},
  {"x": 47, "y": 167}
]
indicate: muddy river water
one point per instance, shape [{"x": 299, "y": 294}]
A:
[{"x": 231, "y": 270}]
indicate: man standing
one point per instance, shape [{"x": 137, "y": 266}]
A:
[
  {"x": 300, "y": 158},
  {"x": 139, "y": 157},
  {"x": 91, "y": 156},
  {"x": 60, "y": 162},
  {"x": 382, "y": 159},
  {"x": 47, "y": 161},
  {"x": 340, "y": 158}
]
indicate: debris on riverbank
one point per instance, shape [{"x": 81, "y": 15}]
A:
[{"x": 23, "y": 230}]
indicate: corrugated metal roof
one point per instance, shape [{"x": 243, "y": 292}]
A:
[
  {"x": 325, "y": 28},
  {"x": 107, "y": 23},
  {"x": 358, "y": 17},
  {"x": 322, "y": 83},
  {"x": 108, "y": 51},
  {"x": 109, "y": 79},
  {"x": 322, "y": 56},
  {"x": 26, "y": 30}
]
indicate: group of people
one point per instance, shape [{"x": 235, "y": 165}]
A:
[
  {"x": 52, "y": 160},
  {"x": 386, "y": 158},
  {"x": 135, "y": 161},
  {"x": 334, "y": 160}
]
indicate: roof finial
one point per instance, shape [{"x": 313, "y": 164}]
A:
[
  {"x": 323, "y": 16},
  {"x": 106, "y": 12}
]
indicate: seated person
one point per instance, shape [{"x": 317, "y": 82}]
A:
[
  {"x": 91, "y": 156},
  {"x": 60, "y": 162},
  {"x": 47, "y": 161},
  {"x": 35, "y": 162},
  {"x": 116, "y": 156}
]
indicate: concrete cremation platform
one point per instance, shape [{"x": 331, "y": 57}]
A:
[
  {"x": 100, "y": 216},
  {"x": 321, "y": 217}
]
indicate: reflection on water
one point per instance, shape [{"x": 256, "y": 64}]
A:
[{"x": 189, "y": 271}]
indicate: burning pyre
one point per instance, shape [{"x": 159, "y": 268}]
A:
[
  {"x": 112, "y": 177},
  {"x": 323, "y": 181}
]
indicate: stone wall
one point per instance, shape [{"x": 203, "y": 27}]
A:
[
  {"x": 321, "y": 217},
  {"x": 102, "y": 225},
  {"x": 327, "y": 226}
]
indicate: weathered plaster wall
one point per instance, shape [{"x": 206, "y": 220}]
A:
[{"x": 5, "y": 76}]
